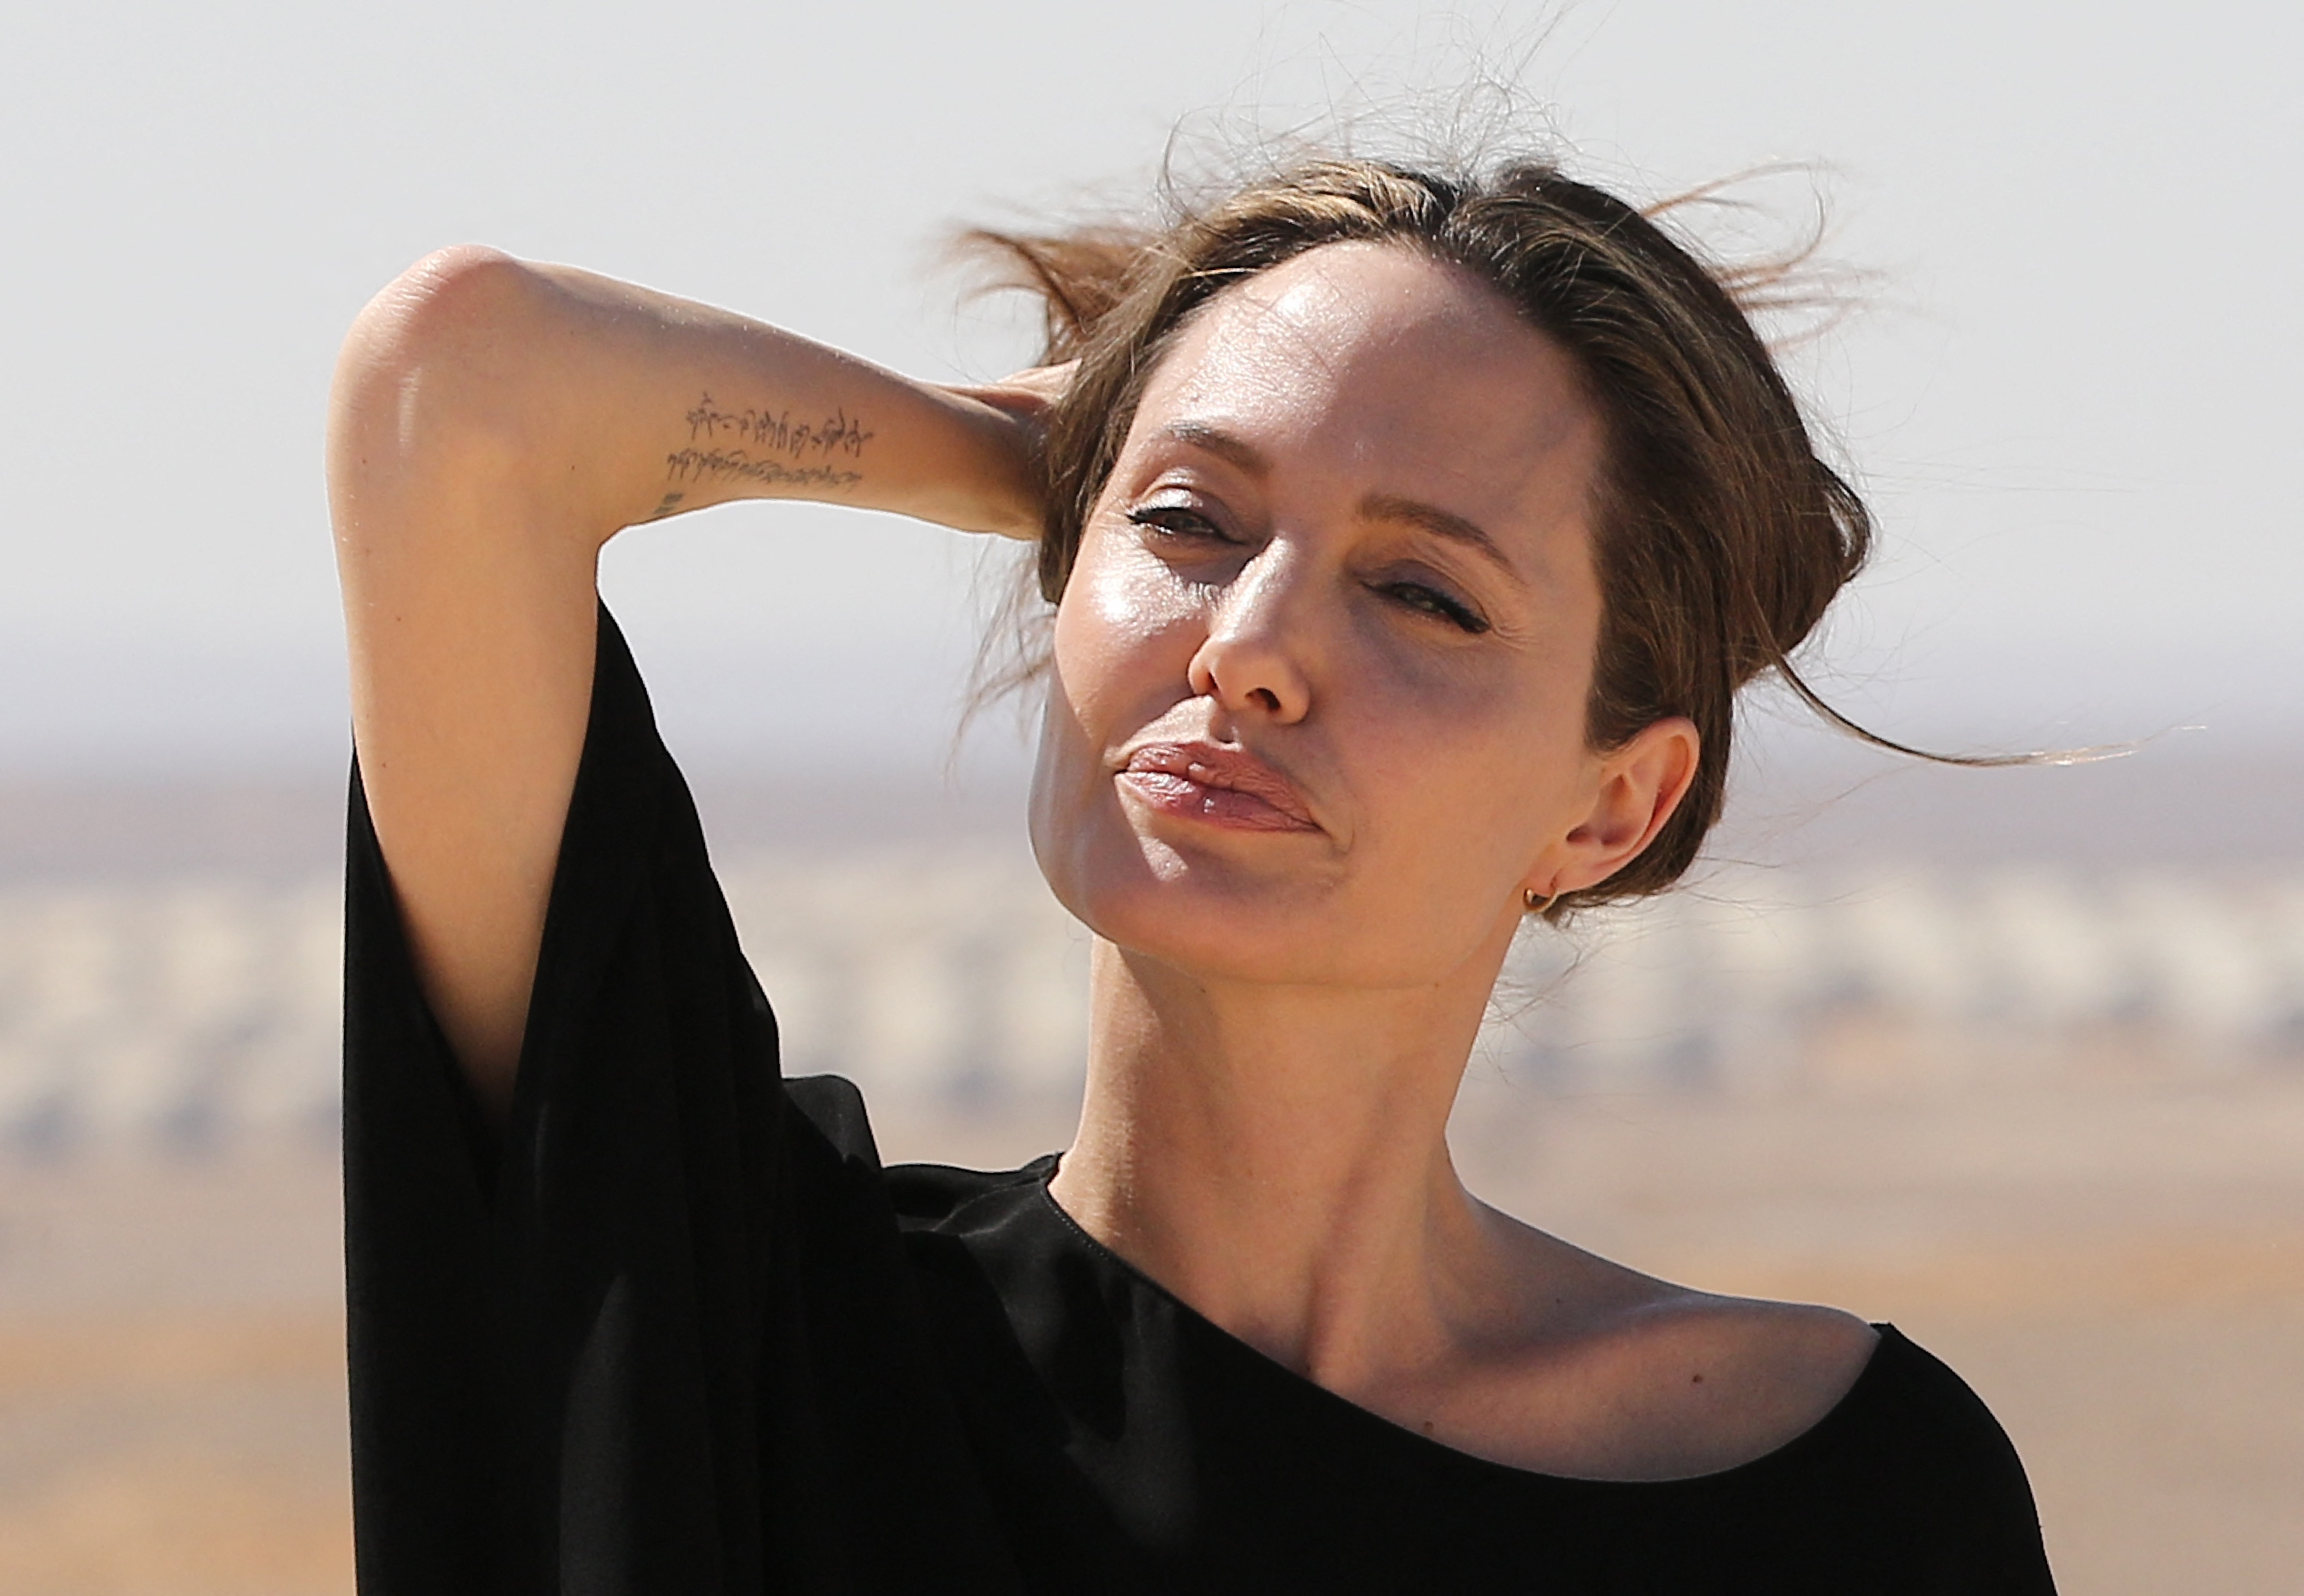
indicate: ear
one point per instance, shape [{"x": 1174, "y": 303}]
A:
[{"x": 1638, "y": 785}]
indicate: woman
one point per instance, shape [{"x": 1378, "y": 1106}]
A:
[{"x": 1408, "y": 538}]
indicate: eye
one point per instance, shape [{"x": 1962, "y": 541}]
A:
[
  {"x": 1431, "y": 602},
  {"x": 1178, "y": 520}
]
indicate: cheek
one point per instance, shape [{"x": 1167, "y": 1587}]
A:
[
  {"x": 1124, "y": 636},
  {"x": 1474, "y": 769},
  {"x": 1122, "y": 649},
  {"x": 1479, "y": 798},
  {"x": 1443, "y": 708}
]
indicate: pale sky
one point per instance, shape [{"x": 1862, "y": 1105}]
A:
[{"x": 2073, "y": 394}]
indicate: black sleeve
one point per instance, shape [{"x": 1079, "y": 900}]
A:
[
  {"x": 1924, "y": 1491},
  {"x": 1909, "y": 1487},
  {"x": 656, "y": 1335}
]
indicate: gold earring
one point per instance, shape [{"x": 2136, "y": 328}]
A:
[{"x": 1537, "y": 903}]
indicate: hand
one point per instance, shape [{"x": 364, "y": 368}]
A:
[
  {"x": 1025, "y": 397},
  {"x": 1028, "y": 396}
]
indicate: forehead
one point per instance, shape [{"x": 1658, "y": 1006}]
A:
[{"x": 1399, "y": 372}]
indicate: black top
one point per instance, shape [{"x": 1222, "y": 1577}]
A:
[{"x": 675, "y": 1332}]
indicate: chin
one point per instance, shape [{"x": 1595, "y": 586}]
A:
[
  {"x": 1211, "y": 907},
  {"x": 1215, "y": 923},
  {"x": 1231, "y": 909}
]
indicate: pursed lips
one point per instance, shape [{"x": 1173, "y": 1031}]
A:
[{"x": 1224, "y": 786}]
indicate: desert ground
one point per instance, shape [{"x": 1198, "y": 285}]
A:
[{"x": 2115, "y": 1262}]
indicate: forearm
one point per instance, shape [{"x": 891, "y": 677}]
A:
[
  {"x": 496, "y": 423},
  {"x": 623, "y": 405},
  {"x": 678, "y": 406}
]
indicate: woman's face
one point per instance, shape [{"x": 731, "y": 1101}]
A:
[{"x": 1318, "y": 705}]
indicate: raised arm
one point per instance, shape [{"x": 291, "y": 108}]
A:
[{"x": 493, "y": 425}]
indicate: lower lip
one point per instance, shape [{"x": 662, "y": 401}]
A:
[{"x": 1226, "y": 806}]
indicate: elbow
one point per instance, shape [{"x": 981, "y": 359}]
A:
[
  {"x": 438, "y": 359},
  {"x": 456, "y": 300}
]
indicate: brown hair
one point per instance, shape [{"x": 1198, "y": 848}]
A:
[{"x": 1721, "y": 536}]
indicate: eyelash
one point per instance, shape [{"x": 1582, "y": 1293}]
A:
[
  {"x": 1431, "y": 602},
  {"x": 1159, "y": 517},
  {"x": 1418, "y": 596}
]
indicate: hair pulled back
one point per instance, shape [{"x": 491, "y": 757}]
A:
[{"x": 1719, "y": 536}]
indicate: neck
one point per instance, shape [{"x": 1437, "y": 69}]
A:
[{"x": 1277, "y": 1157}]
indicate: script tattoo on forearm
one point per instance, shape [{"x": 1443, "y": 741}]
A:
[{"x": 769, "y": 446}]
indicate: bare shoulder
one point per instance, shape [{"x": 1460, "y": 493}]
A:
[
  {"x": 1712, "y": 1381},
  {"x": 1623, "y": 1376}
]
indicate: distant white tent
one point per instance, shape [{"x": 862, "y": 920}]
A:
[{"x": 202, "y": 1014}]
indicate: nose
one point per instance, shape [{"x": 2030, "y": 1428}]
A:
[{"x": 1251, "y": 661}]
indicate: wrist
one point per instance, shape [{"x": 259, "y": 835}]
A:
[{"x": 992, "y": 482}]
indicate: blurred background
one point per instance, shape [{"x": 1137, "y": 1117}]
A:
[{"x": 2015, "y": 1059}]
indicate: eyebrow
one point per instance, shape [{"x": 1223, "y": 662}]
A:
[
  {"x": 1441, "y": 523},
  {"x": 1444, "y": 524},
  {"x": 1217, "y": 441}
]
